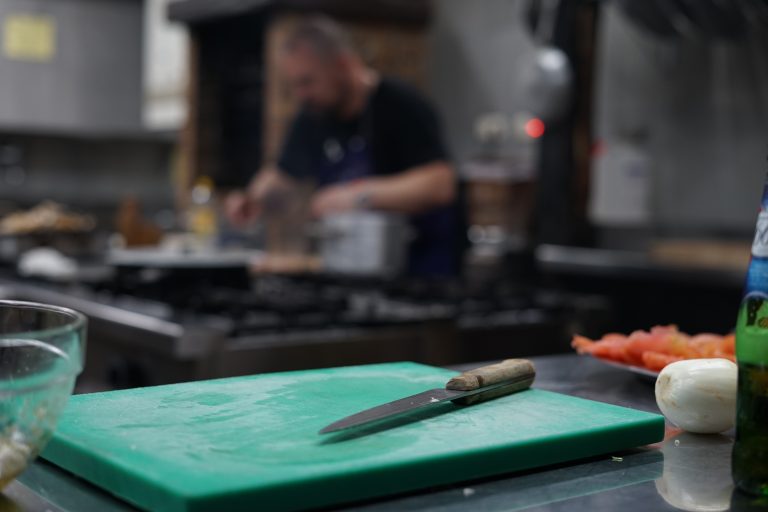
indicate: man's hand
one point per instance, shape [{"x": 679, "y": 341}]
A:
[
  {"x": 339, "y": 198},
  {"x": 239, "y": 209},
  {"x": 410, "y": 192},
  {"x": 244, "y": 206}
]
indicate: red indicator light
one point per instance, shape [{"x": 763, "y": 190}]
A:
[{"x": 534, "y": 128}]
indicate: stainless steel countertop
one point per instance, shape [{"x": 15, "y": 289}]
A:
[
  {"x": 624, "y": 264},
  {"x": 685, "y": 472}
]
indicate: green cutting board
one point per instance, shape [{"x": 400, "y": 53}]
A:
[{"x": 251, "y": 443}]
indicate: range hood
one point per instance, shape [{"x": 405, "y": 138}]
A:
[
  {"x": 701, "y": 19},
  {"x": 200, "y": 11}
]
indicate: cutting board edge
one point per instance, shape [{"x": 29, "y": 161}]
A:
[
  {"x": 279, "y": 497},
  {"x": 451, "y": 470},
  {"x": 96, "y": 471}
]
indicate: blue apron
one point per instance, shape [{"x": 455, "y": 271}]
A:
[{"x": 433, "y": 253}]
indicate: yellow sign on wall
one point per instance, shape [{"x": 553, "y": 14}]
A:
[{"x": 30, "y": 37}]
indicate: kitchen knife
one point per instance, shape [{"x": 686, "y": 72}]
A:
[{"x": 471, "y": 387}]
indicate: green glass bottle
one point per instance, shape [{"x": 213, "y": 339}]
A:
[{"x": 750, "y": 451}]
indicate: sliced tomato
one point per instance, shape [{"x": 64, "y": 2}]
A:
[
  {"x": 610, "y": 347},
  {"x": 582, "y": 344},
  {"x": 728, "y": 344},
  {"x": 656, "y": 361},
  {"x": 615, "y": 350},
  {"x": 656, "y": 348},
  {"x": 705, "y": 345},
  {"x": 665, "y": 330},
  {"x": 640, "y": 342}
]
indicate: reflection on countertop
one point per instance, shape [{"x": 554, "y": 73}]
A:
[
  {"x": 720, "y": 263},
  {"x": 690, "y": 481}
]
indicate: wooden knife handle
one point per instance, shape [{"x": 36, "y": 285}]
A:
[{"x": 520, "y": 374}]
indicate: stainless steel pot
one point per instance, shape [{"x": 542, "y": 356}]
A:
[{"x": 364, "y": 243}]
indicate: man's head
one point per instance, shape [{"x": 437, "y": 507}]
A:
[{"x": 319, "y": 63}]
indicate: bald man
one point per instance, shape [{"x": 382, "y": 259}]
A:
[{"x": 368, "y": 142}]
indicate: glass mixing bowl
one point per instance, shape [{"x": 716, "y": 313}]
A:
[{"x": 42, "y": 351}]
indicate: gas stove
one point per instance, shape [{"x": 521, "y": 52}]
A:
[
  {"x": 273, "y": 303},
  {"x": 149, "y": 327}
]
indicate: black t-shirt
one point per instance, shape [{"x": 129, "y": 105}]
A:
[
  {"x": 398, "y": 130},
  {"x": 398, "y": 124}
]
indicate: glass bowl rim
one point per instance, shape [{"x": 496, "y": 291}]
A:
[{"x": 78, "y": 320}]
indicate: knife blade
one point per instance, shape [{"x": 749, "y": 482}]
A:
[{"x": 471, "y": 387}]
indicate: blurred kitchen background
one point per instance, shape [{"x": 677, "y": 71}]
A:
[{"x": 612, "y": 155}]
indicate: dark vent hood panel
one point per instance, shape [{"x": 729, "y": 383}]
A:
[{"x": 192, "y": 12}]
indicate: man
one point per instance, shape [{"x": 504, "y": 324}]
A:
[{"x": 367, "y": 142}]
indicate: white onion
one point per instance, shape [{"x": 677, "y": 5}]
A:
[{"x": 699, "y": 395}]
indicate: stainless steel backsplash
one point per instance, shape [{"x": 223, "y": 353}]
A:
[{"x": 86, "y": 174}]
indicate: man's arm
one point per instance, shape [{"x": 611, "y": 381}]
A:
[
  {"x": 243, "y": 206},
  {"x": 426, "y": 181},
  {"x": 412, "y": 191}
]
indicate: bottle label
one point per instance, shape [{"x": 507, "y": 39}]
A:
[{"x": 760, "y": 243}]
